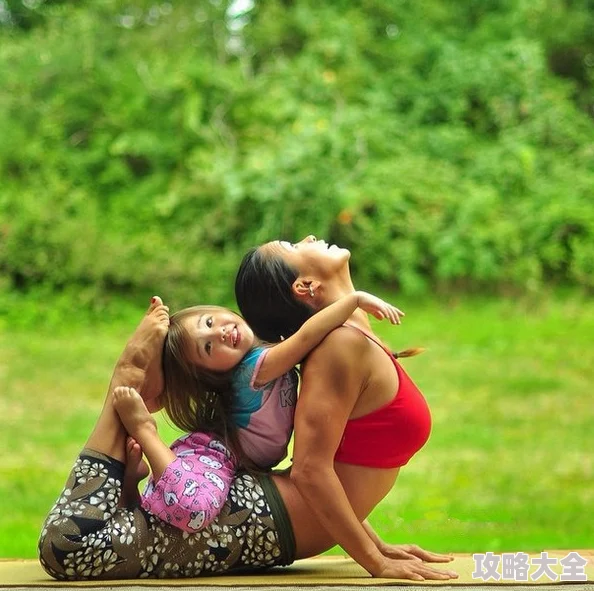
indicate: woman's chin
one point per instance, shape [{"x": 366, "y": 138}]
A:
[
  {"x": 344, "y": 253},
  {"x": 339, "y": 250},
  {"x": 342, "y": 257}
]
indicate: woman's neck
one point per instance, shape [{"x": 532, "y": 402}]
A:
[
  {"x": 330, "y": 292},
  {"x": 338, "y": 289}
]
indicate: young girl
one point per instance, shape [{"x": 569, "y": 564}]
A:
[{"x": 221, "y": 379}]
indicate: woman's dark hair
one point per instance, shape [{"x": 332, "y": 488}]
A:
[
  {"x": 263, "y": 291},
  {"x": 264, "y": 294}
]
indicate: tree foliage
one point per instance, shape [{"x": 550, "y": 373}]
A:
[{"x": 146, "y": 146}]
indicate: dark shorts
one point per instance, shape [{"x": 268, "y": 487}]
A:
[{"x": 87, "y": 536}]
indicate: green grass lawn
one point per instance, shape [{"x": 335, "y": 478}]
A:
[{"x": 509, "y": 465}]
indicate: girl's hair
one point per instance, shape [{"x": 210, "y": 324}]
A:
[
  {"x": 264, "y": 294},
  {"x": 197, "y": 399}
]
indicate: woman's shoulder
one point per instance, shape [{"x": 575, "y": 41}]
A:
[
  {"x": 335, "y": 372},
  {"x": 343, "y": 346},
  {"x": 351, "y": 335}
]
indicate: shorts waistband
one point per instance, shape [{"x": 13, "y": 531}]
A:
[{"x": 284, "y": 528}]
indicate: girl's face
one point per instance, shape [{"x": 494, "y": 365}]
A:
[
  {"x": 311, "y": 257},
  {"x": 219, "y": 339}
]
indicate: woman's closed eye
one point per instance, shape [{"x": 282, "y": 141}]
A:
[{"x": 208, "y": 348}]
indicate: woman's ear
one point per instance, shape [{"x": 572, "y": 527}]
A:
[{"x": 305, "y": 288}]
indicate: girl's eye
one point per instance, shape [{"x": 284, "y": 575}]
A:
[
  {"x": 209, "y": 322},
  {"x": 208, "y": 348}
]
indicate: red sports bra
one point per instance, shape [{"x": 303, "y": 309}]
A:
[{"x": 389, "y": 436}]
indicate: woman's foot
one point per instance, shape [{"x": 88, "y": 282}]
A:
[
  {"x": 140, "y": 364},
  {"x": 133, "y": 413},
  {"x": 136, "y": 471}
]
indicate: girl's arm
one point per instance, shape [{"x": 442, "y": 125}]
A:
[{"x": 283, "y": 356}]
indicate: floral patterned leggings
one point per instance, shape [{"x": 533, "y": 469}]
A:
[{"x": 87, "y": 536}]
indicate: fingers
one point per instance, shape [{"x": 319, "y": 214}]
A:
[
  {"x": 416, "y": 571},
  {"x": 392, "y": 313},
  {"x": 395, "y": 315},
  {"x": 432, "y": 557},
  {"x": 401, "y": 554},
  {"x": 437, "y": 575},
  {"x": 388, "y": 312},
  {"x": 379, "y": 308},
  {"x": 427, "y": 556},
  {"x": 430, "y": 573}
]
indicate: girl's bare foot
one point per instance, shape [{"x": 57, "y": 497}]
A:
[
  {"x": 140, "y": 364},
  {"x": 136, "y": 471},
  {"x": 135, "y": 420},
  {"x": 133, "y": 413}
]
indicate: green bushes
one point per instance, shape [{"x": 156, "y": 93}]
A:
[{"x": 144, "y": 149}]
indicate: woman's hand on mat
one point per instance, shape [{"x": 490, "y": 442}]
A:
[
  {"x": 412, "y": 552},
  {"x": 415, "y": 570}
]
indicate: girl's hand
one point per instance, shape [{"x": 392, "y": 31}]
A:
[
  {"x": 411, "y": 552},
  {"x": 415, "y": 570},
  {"x": 378, "y": 308}
]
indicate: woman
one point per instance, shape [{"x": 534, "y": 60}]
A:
[
  {"x": 359, "y": 417},
  {"x": 92, "y": 534}
]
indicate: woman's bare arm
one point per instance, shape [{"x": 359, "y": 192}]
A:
[
  {"x": 333, "y": 378},
  {"x": 330, "y": 388}
]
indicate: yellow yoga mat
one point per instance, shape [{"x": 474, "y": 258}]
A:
[{"x": 316, "y": 572}]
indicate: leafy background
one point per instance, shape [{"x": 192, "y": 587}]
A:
[{"x": 145, "y": 145}]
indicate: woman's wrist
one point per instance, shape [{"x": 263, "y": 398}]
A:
[{"x": 377, "y": 564}]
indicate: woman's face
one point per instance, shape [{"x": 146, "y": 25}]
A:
[{"x": 311, "y": 257}]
